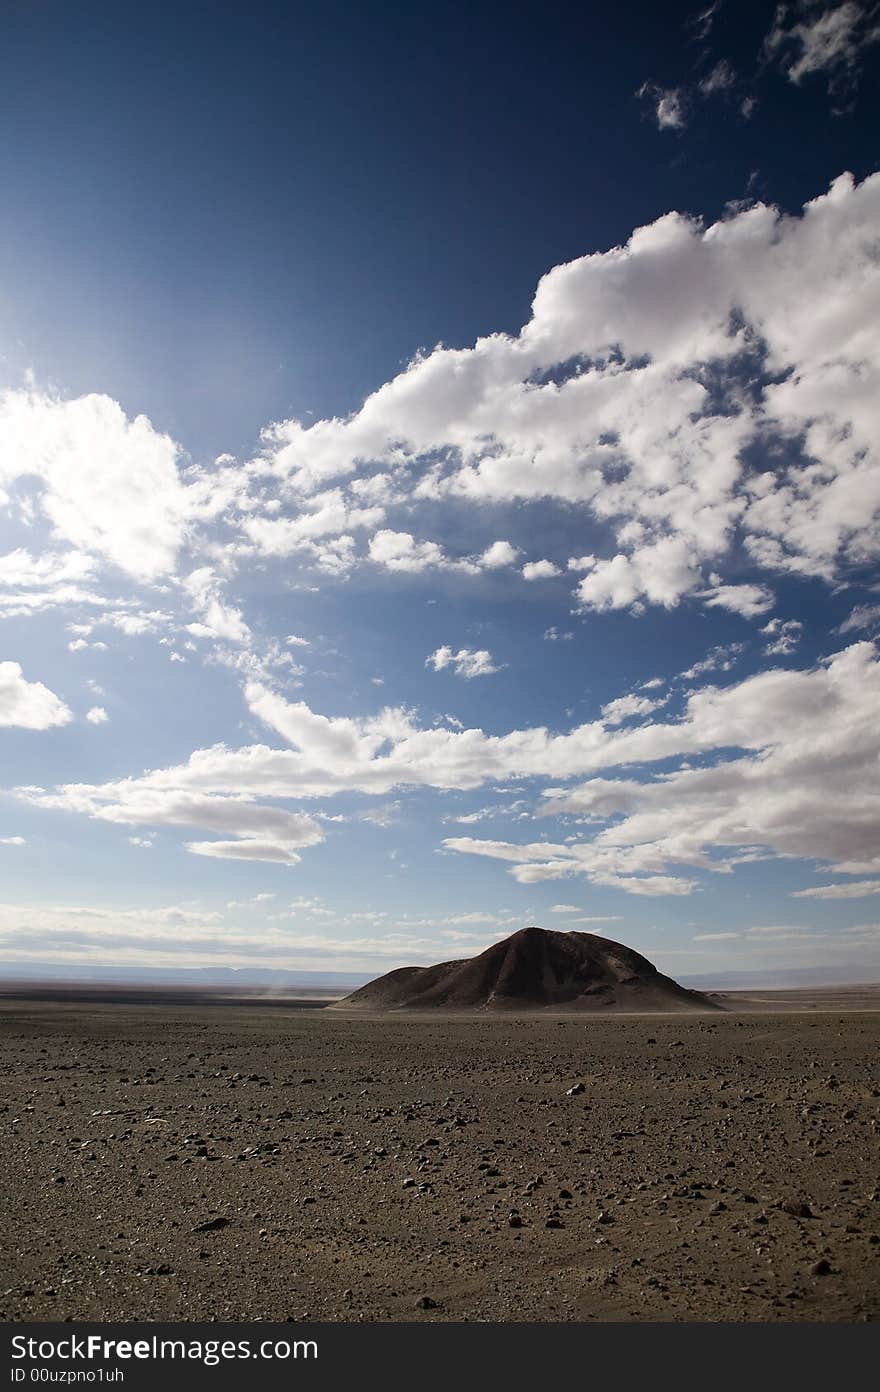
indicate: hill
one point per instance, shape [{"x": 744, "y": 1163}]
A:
[{"x": 534, "y": 969}]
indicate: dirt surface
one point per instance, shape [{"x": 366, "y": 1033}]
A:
[{"x": 234, "y": 1163}]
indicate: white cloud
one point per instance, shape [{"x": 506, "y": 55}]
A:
[
  {"x": 467, "y": 662},
  {"x": 814, "y": 37},
  {"x": 720, "y": 659},
  {"x": 327, "y": 514},
  {"x": 783, "y": 636},
  {"x": 747, "y": 600},
  {"x": 28, "y": 705},
  {"x": 724, "y": 393},
  {"x": 772, "y": 715},
  {"x": 132, "y": 625},
  {"x": 662, "y": 572},
  {"x": 625, "y": 707},
  {"x": 97, "y": 716},
  {"x": 799, "y": 783},
  {"x": 111, "y": 485},
  {"x": 852, "y": 889},
  {"x": 864, "y": 616},
  {"x": 247, "y": 848},
  {"x": 261, "y": 832},
  {"x": 806, "y": 788},
  {"x": 384, "y": 817},
  {"x": 12, "y": 841},
  {"x": 401, "y": 552},
  {"x": 669, "y": 105},
  {"x": 31, "y": 584},
  {"x": 21, "y": 570},
  {"x": 540, "y": 570},
  {"x": 499, "y": 554},
  {"x": 218, "y": 620}
]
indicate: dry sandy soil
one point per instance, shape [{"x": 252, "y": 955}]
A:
[{"x": 192, "y": 1162}]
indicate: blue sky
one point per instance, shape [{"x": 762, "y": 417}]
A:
[{"x": 438, "y": 483}]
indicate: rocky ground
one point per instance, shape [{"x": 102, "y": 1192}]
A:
[{"x": 233, "y": 1163}]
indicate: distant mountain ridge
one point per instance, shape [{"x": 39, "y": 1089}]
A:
[
  {"x": 533, "y": 969},
  {"x": 195, "y": 977}
]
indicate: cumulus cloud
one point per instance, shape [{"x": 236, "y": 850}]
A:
[
  {"x": 806, "y": 788},
  {"x": 625, "y": 707},
  {"x": 218, "y": 620},
  {"x": 31, "y": 584},
  {"x": 401, "y": 552},
  {"x": 467, "y": 662},
  {"x": 499, "y": 554},
  {"x": 19, "y": 569},
  {"x": 28, "y": 705},
  {"x": 800, "y": 783},
  {"x": 540, "y": 570},
  {"x": 747, "y": 600},
  {"x": 718, "y": 659},
  {"x": 326, "y": 514},
  {"x": 662, "y": 573},
  {"x": 696, "y": 389},
  {"x": 110, "y": 485},
  {"x": 97, "y": 716},
  {"x": 783, "y": 636}
]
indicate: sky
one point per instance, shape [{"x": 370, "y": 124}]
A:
[{"x": 439, "y": 486}]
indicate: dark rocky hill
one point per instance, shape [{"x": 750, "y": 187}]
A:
[{"x": 533, "y": 969}]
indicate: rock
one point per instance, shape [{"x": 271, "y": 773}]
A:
[
  {"x": 820, "y": 1268},
  {"x": 211, "y": 1224},
  {"x": 514, "y": 1221},
  {"x": 553, "y": 1223},
  {"x": 576, "y": 1090},
  {"x": 425, "y": 1302},
  {"x": 797, "y": 1208}
]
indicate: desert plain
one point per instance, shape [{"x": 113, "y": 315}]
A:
[{"x": 188, "y": 1159}]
